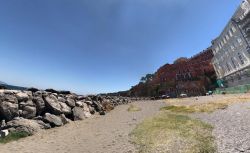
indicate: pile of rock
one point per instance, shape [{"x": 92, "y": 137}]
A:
[{"x": 32, "y": 110}]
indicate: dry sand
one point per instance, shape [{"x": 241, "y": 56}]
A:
[{"x": 101, "y": 134}]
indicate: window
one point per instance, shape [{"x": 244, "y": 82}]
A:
[
  {"x": 232, "y": 60},
  {"x": 233, "y": 29},
  {"x": 221, "y": 43},
  {"x": 239, "y": 40},
  {"x": 227, "y": 37},
  {"x": 230, "y": 34},
  {"x": 241, "y": 59},
  {"x": 216, "y": 49},
  {"x": 228, "y": 67},
  {"x": 225, "y": 41},
  {"x": 220, "y": 46},
  {"x": 232, "y": 47}
]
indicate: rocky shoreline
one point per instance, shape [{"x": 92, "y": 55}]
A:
[{"x": 32, "y": 110}]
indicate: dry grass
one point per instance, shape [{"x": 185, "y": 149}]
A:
[
  {"x": 205, "y": 104},
  {"x": 209, "y": 108},
  {"x": 133, "y": 108},
  {"x": 233, "y": 98},
  {"x": 173, "y": 133}
]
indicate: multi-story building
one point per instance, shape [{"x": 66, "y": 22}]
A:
[{"x": 231, "y": 49}]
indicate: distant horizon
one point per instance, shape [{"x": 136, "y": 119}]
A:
[{"x": 91, "y": 47}]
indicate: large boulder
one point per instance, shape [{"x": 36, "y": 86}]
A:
[
  {"x": 65, "y": 109},
  {"x": 53, "y": 120},
  {"x": 55, "y": 106},
  {"x": 97, "y": 105},
  {"x": 86, "y": 110},
  {"x": 22, "y": 96},
  {"x": 26, "y": 125},
  {"x": 64, "y": 119},
  {"x": 40, "y": 104},
  {"x": 107, "y": 105},
  {"x": 28, "y": 109},
  {"x": 80, "y": 114},
  {"x": 8, "y": 106},
  {"x": 71, "y": 101}
]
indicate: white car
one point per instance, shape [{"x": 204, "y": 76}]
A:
[{"x": 183, "y": 95}]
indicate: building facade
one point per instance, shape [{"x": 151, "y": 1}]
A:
[{"x": 232, "y": 49}]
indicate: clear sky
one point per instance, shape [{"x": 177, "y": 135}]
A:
[{"x": 93, "y": 46}]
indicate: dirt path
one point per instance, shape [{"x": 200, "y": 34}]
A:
[{"x": 102, "y": 134}]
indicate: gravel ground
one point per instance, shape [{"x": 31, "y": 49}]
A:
[
  {"x": 231, "y": 128},
  {"x": 102, "y": 134}
]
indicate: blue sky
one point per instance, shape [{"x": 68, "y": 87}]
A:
[{"x": 93, "y": 46}]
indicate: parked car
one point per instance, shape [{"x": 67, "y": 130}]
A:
[
  {"x": 165, "y": 96},
  {"x": 183, "y": 95}
]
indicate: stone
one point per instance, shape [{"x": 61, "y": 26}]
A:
[
  {"x": 107, "y": 106},
  {"x": 78, "y": 114},
  {"x": 71, "y": 101},
  {"x": 65, "y": 120},
  {"x": 65, "y": 109},
  {"x": 29, "y": 112},
  {"x": 26, "y": 125},
  {"x": 53, "y": 120},
  {"x": 81, "y": 98},
  {"x": 10, "y": 98},
  {"x": 102, "y": 113},
  {"x": 53, "y": 104},
  {"x": 28, "y": 109},
  {"x": 97, "y": 106},
  {"x": 22, "y": 96},
  {"x": 40, "y": 104},
  {"x": 64, "y": 92},
  {"x": 57, "y": 107},
  {"x": 79, "y": 103},
  {"x": 61, "y": 99},
  {"x": 9, "y": 110},
  {"x": 86, "y": 110},
  {"x": 89, "y": 102},
  {"x": 32, "y": 89},
  {"x": 51, "y": 90},
  {"x": 92, "y": 110}
]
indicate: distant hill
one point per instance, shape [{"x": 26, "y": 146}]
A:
[
  {"x": 11, "y": 87},
  {"x": 2, "y": 83}
]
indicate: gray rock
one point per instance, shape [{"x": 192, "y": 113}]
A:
[
  {"x": 89, "y": 102},
  {"x": 91, "y": 110},
  {"x": 26, "y": 125},
  {"x": 28, "y": 109},
  {"x": 97, "y": 106},
  {"x": 9, "y": 109},
  {"x": 65, "y": 109},
  {"x": 79, "y": 113},
  {"x": 71, "y": 101},
  {"x": 56, "y": 106},
  {"x": 61, "y": 99},
  {"x": 53, "y": 119},
  {"x": 22, "y": 96},
  {"x": 40, "y": 104},
  {"x": 79, "y": 103},
  {"x": 65, "y": 120},
  {"x": 86, "y": 110},
  {"x": 53, "y": 104}
]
